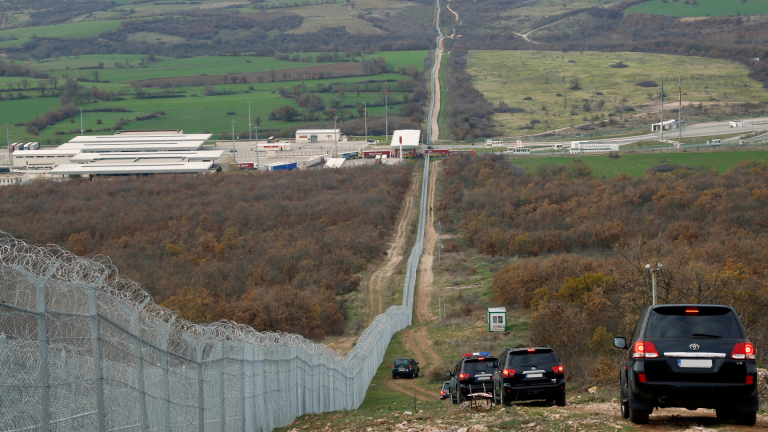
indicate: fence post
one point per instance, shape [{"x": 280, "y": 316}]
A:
[
  {"x": 137, "y": 351},
  {"x": 199, "y": 349},
  {"x": 165, "y": 404},
  {"x": 241, "y": 382},
  {"x": 3, "y": 361},
  {"x": 219, "y": 358},
  {"x": 98, "y": 372},
  {"x": 42, "y": 346}
]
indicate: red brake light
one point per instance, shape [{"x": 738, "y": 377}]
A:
[
  {"x": 557, "y": 369},
  {"x": 508, "y": 373},
  {"x": 393, "y": 366},
  {"x": 463, "y": 376},
  {"x": 644, "y": 349},
  {"x": 481, "y": 358},
  {"x": 641, "y": 377},
  {"x": 691, "y": 310},
  {"x": 531, "y": 350},
  {"x": 743, "y": 350},
  {"x": 750, "y": 379},
  {"x": 410, "y": 367}
]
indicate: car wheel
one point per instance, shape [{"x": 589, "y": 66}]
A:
[
  {"x": 560, "y": 401},
  {"x": 394, "y": 376},
  {"x": 454, "y": 401},
  {"x": 746, "y": 418},
  {"x": 724, "y": 414},
  {"x": 638, "y": 416},
  {"x": 624, "y": 399}
]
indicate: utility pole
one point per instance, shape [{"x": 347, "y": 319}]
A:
[
  {"x": 257, "y": 148},
  {"x": 662, "y": 107},
  {"x": 653, "y": 278},
  {"x": 386, "y": 110},
  {"x": 249, "y": 122},
  {"x": 234, "y": 150},
  {"x": 81, "y": 122},
  {"x": 439, "y": 309},
  {"x": 8, "y": 139},
  {"x": 680, "y": 111},
  {"x": 366, "y": 122},
  {"x": 335, "y": 139}
]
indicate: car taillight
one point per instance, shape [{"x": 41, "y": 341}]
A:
[
  {"x": 644, "y": 349},
  {"x": 508, "y": 373},
  {"x": 557, "y": 369},
  {"x": 410, "y": 367},
  {"x": 442, "y": 392},
  {"x": 463, "y": 376},
  {"x": 743, "y": 350},
  {"x": 750, "y": 379},
  {"x": 393, "y": 366},
  {"x": 641, "y": 377}
]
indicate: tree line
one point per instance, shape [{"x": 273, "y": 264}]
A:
[
  {"x": 272, "y": 250},
  {"x": 584, "y": 242}
]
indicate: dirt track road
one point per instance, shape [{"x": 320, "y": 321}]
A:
[
  {"x": 416, "y": 339},
  {"x": 379, "y": 279}
]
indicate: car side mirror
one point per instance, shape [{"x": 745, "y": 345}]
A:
[
  {"x": 448, "y": 374},
  {"x": 620, "y": 342}
]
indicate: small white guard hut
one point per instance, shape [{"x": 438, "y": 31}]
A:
[{"x": 497, "y": 319}]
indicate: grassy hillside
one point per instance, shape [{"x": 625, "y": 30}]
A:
[
  {"x": 71, "y": 30},
  {"x": 703, "y": 8},
  {"x": 636, "y": 164},
  {"x": 542, "y": 75}
]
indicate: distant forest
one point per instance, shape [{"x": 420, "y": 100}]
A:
[
  {"x": 271, "y": 250},
  {"x": 584, "y": 243}
]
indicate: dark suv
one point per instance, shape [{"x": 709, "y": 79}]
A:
[
  {"x": 690, "y": 356},
  {"x": 472, "y": 374},
  {"x": 529, "y": 373},
  {"x": 405, "y": 367}
]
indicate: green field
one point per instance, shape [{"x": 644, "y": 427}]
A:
[
  {"x": 635, "y": 165},
  {"x": 702, "y": 9},
  {"x": 196, "y": 66},
  {"x": 524, "y": 18},
  {"x": 511, "y": 76},
  {"x": 72, "y": 30}
]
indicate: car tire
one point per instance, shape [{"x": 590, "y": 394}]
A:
[
  {"x": 746, "y": 418},
  {"x": 394, "y": 376},
  {"x": 724, "y": 414},
  {"x": 638, "y": 416},
  {"x": 454, "y": 401},
  {"x": 560, "y": 400},
  {"x": 624, "y": 399}
]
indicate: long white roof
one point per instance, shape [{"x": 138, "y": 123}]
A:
[
  {"x": 137, "y": 168},
  {"x": 317, "y": 131},
  {"x": 47, "y": 152},
  {"x": 192, "y": 156},
  {"x": 410, "y": 138},
  {"x": 118, "y": 139},
  {"x": 133, "y": 146}
]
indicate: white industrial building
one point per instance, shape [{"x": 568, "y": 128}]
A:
[
  {"x": 405, "y": 141},
  {"x": 592, "y": 147},
  {"x": 126, "y": 153},
  {"x": 737, "y": 123},
  {"x": 667, "y": 125},
  {"x": 306, "y": 136}
]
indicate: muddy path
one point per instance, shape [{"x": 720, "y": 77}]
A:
[
  {"x": 416, "y": 339},
  {"x": 382, "y": 277}
]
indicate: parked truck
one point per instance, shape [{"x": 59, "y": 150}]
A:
[
  {"x": 438, "y": 152},
  {"x": 350, "y": 155},
  {"x": 316, "y": 160},
  {"x": 284, "y": 166}
]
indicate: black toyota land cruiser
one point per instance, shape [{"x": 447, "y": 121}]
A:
[
  {"x": 529, "y": 373},
  {"x": 472, "y": 374},
  {"x": 689, "y": 356}
]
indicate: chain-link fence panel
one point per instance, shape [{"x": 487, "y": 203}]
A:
[{"x": 84, "y": 349}]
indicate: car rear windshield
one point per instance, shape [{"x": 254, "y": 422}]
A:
[
  {"x": 703, "y": 322},
  {"x": 478, "y": 366},
  {"x": 402, "y": 362},
  {"x": 531, "y": 359}
]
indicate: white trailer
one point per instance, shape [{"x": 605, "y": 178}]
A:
[
  {"x": 316, "y": 160},
  {"x": 34, "y": 146}
]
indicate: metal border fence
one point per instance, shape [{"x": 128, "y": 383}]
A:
[{"x": 84, "y": 349}]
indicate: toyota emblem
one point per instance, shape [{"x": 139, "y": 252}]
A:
[
  {"x": 694, "y": 346},
  {"x": 533, "y": 368}
]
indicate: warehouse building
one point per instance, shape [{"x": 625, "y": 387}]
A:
[
  {"x": 667, "y": 125},
  {"x": 308, "y": 136},
  {"x": 592, "y": 147}
]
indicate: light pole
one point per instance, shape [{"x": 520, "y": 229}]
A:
[
  {"x": 249, "y": 121},
  {"x": 257, "y": 148},
  {"x": 653, "y": 278},
  {"x": 234, "y": 150},
  {"x": 366, "y": 122},
  {"x": 8, "y": 139},
  {"x": 81, "y": 122},
  {"x": 335, "y": 138}
]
